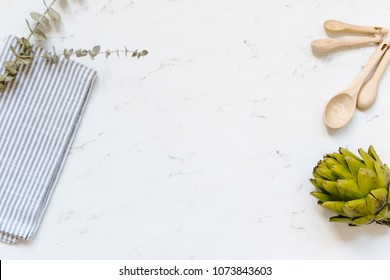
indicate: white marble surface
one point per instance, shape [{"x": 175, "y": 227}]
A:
[{"x": 203, "y": 149}]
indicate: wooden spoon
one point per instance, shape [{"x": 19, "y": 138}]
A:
[
  {"x": 329, "y": 45},
  {"x": 336, "y": 26},
  {"x": 340, "y": 108},
  {"x": 369, "y": 91}
]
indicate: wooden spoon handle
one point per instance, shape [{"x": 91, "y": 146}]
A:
[
  {"x": 329, "y": 45},
  {"x": 369, "y": 91},
  {"x": 336, "y": 26},
  {"x": 367, "y": 69}
]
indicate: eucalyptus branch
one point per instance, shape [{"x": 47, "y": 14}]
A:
[
  {"x": 25, "y": 54},
  {"x": 92, "y": 53},
  {"x": 42, "y": 20}
]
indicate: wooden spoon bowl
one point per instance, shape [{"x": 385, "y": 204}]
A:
[{"x": 339, "y": 110}]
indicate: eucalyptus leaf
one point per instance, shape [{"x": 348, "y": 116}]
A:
[
  {"x": 53, "y": 14},
  {"x": 9, "y": 64},
  {"x": 26, "y": 43},
  {"x": 134, "y": 53},
  {"x": 19, "y": 40},
  {"x": 126, "y": 51},
  {"x": 96, "y": 49},
  {"x": 91, "y": 54},
  {"x": 25, "y": 56},
  {"x": 39, "y": 18},
  {"x": 2, "y": 87},
  {"x": 2, "y": 78},
  {"x": 47, "y": 56},
  {"x": 23, "y": 61},
  {"x": 144, "y": 52},
  {"x": 81, "y": 53},
  {"x": 68, "y": 53},
  {"x": 14, "y": 51},
  {"x": 9, "y": 78},
  {"x": 11, "y": 70},
  {"x": 94, "y": 52},
  {"x": 55, "y": 59},
  {"x": 29, "y": 26},
  {"x": 39, "y": 34},
  {"x": 20, "y": 61}
]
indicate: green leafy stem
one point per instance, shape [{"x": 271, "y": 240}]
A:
[{"x": 25, "y": 54}]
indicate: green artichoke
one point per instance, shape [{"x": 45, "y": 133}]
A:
[{"x": 355, "y": 188}]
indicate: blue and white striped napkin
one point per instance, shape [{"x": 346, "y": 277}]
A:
[{"x": 39, "y": 114}]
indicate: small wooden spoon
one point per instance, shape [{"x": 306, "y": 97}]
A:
[
  {"x": 340, "y": 108},
  {"x": 329, "y": 45},
  {"x": 336, "y": 26},
  {"x": 369, "y": 91}
]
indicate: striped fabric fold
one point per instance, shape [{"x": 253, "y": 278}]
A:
[{"x": 39, "y": 114}]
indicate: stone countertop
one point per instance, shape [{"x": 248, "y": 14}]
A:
[{"x": 203, "y": 149}]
